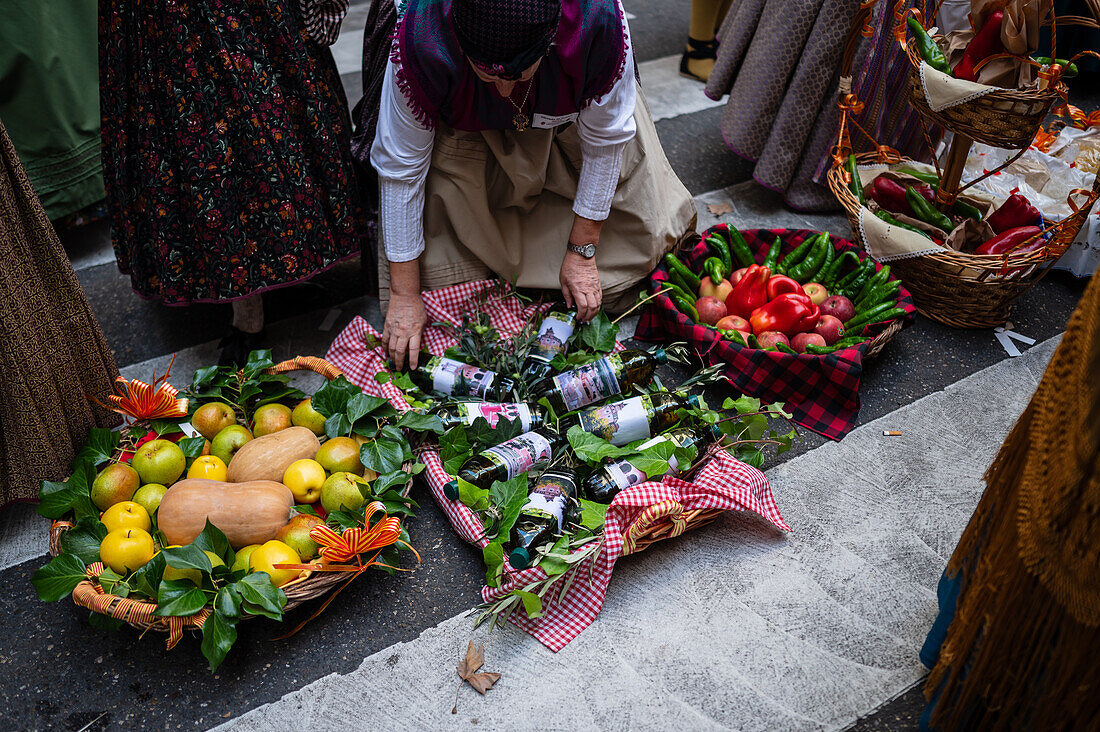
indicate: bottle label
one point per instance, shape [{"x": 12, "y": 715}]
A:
[
  {"x": 492, "y": 412},
  {"x": 459, "y": 379},
  {"x": 619, "y": 423},
  {"x": 551, "y": 496},
  {"x": 518, "y": 454},
  {"x": 590, "y": 383},
  {"x": 554, "y": 333},
  {"x": 624, "y": 475}
]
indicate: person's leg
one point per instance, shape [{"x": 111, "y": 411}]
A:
[
  {"x": 701, "y": 50},
  {"x": 246, "y": 332},
  {"x": 248, "y": 314}
]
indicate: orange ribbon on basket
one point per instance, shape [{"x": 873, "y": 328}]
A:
[{"x": 143, "y": 401}]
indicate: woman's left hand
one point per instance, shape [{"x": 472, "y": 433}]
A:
[{"x": 580, "y": 285}]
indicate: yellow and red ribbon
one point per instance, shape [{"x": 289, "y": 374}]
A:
[{"x": 143, "y": 401}]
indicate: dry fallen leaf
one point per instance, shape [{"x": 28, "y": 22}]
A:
[
  {"x": 467, "y": 670},
  {"x": 717, "y": 209}
]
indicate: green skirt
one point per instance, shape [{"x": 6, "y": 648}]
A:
[{"x": 50, "y": 99}]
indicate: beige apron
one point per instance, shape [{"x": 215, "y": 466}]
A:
[{"x": 497, "y": 201}]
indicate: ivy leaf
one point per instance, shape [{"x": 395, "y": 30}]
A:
[
  {"x": 493, "y": 556},
  {"x": 213, "y": 540},
  {"x": 333, "y": 397},
  {"x": 99, "y": 621},
  {"x": 258, "y": 361},
  {"x": 384, "y": 482},
  {"x": 418, "y": 422},
  {"x": 112, "y": 584},
  {"x": 751, "y": 455},
  {"x": 147, "y": 579},
  {"x": 510, "y": 497},
  {"x": 59, "y": 578},
  {"x": 593, "y": 449},
  {"x": 454, "y": 449},
  {"x": 165, "y": 427},
  {"x": 99, "y": 447},
  {"x": 337, "y": 426},
  {"x": 474, "y": 497},
  {"x": 72, "y": 495},
  {"x": 600, "y": 334},
  {"x": 203, "y": 379},
  {"x": 742, "y": 405},
  {"x": 592, "y": 514},
  {"x": 383, "y": 455},
  {"x": 83, "y": 539},
  {"x": 551, "y": 562},
  {"x": 785, "y": 441},
  {"x": 192, "y": 446},
  {"x": 229, "y": 602},
  {"x": 307, "y": 509},
  {"x": 188, "y": 556},
  {"x": 179, "y": 598},
  {"x": 532, "y": 603},
  {"x": 360, "y": 405},
  {"x": 218, "y": 635},
  {"x": 261, "y": 597}
]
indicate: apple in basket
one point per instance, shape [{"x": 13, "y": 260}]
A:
[
  {"x": 720, "y": 290},
  {"x": 801, "y": 340},
  {"x": 770, "y": 338},
  {"x": 734, "y": 322},
  {"x": 816, "y": 292},
  {"x": 830, "y": 328},
  {"x": 710, "y": 310},
  {"x": 839, "y": 307}
]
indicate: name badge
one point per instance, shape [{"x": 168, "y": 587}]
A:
[{"x": 546, "y": 122}]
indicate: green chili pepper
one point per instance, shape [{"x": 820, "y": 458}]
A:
[
  {"x": 685, "y": 306},
  {"x": 846, "y": 281},
  {"x": 876, "y": 314},
  {"x": 927, "y": 48},
  {"x": 874, "y": 281},
  {"x": 863, "y": 274},
  {"x": 854, "y": 184},
  {"x": 802, "y": 271},
  {"x": 772, "y": 257},
  {"x": 830, "y": 256},
  {"x": 717, "y": 244},
  {"x": 962, "y": 208},
  {"x": 675, "y": 279},
  {"x": 925, "y": 211},
  {"x": 900, "y": 224},
  {"x": 783, "y": 347},
  {"x": 690, "y": 278},
  {"x": 736, "y": 336},
  {"x": 886, "y": 291},
  {"x": 740, "y": 249},
  {"x": 930, "y": 178},
  {"x": 714, "y": 269},
  {"x": 829, "y": 274},
  {"x": 800, "y": 253},
  {"x": 669, "y": 289},
  {"x": 1068, "y": 70}
]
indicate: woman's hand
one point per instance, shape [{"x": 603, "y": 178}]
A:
[
  {"x": 580, "y": 285},
  {"x": 406, "y": 317}
]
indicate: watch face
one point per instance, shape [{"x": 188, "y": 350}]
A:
[{"x": 585, "y": 250}]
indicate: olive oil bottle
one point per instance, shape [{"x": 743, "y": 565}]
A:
[
  {"x": 505, "y": 461},
  {"x": 615, "y": 475},
  {"x": 609, "y": 376},
  {"x": 549, "y": 504},
  {"x": 449, "y": 377},
  {"x": 636, "y": 418},
  {"x": 553, "y": 338},
  {"x": 464, "y": 413}
]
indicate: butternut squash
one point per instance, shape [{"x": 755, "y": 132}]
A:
[
  {"x": 268, "y": 457},
  {"x": 247, "y": 513}
]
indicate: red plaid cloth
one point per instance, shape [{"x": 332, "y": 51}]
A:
[
  {"x": 722, "y": 483},
  {"x": 822, "y": 392}
]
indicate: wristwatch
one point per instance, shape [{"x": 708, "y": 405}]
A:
[{"x": 585, "y": 250}]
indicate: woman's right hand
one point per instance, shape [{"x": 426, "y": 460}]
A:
[{"x": 405, "y": 322}]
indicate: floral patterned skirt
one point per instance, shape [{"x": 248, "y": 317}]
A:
[{"x": 225, "y": 148}]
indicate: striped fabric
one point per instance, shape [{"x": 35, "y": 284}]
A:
[
  {"x": 722, "y": 483},
  {"x": 322, "y": 19}
]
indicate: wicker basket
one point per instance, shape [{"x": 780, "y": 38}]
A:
[
  {"x": 140, "y": 614},
  {"x": 967, "y": 290}
]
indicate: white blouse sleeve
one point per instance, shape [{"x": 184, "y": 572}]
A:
[
  {"x": 401, "y": 153},
  {"x": 605, "y": 127}
]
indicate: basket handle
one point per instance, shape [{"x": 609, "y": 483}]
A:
[
  {"x": 669, "y": 509},
  {"x": 307, "y": 363}
]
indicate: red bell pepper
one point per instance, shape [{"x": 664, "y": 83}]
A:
[
  {"x": 984, "y": 44},
  {"x": 750, "y": 292},
  {"x": 789, "y": 314},
  {"x": 890, "y": 196},
  {"x": 1007, "y": 241},
  {"x": 1017, "y": 211},
  {"x": 781, "y": 284}
]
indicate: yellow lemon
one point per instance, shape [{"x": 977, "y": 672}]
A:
[
  {"x": 272, "y": 553},
  {"x": 126, "y": 515},
  {"x": 211, "y": 467},
  {"x": 125, "y": 550},
  {"x": 304, "y": 478}
]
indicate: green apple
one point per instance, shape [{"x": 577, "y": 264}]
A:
[
  {"x": 226, "y": 443},
  {"x": 341, "y": 491},
  {"x": 296, "y": 535},
  {"x": 243, "y": 554},
  {"x": 148, "y": 496},
  {"x": 171, "y": 573},
  {"x": 304, "y": 415},
  {"x": 159, "y": 461},
  {"x": 115, "y": 483}
]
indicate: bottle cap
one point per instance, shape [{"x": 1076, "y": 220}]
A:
[
  {"x": 518, "y": 558},
  {"x": 695, "y": 402},
  {"x": 450, "y": 489},
  {"x": 660, "y": 356}
]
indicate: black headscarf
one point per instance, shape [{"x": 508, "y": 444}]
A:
[{"x": 505, "y": 37}]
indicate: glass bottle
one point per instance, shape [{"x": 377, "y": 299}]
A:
[
  {"x": 615, "y": 475},
  {"x": 505, "y": 461},
  {"x": 636, "y": 418},
  {"x": 464, "y": 413},
  {"x": 453, "y": 378},
  {"x": 552, "y": 339},
  {"x": 613, "y": 374},
  {"x": 548, "y": 505}
]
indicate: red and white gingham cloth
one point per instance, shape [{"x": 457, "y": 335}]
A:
[{"x": 722, "y": 483}]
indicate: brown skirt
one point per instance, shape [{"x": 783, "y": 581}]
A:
[
  {"x": 52, "y": 353},
  {"x": 501, "y": 202}
]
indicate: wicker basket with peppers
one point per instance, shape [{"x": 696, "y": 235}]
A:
[{"x": 812, "y": 299}]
